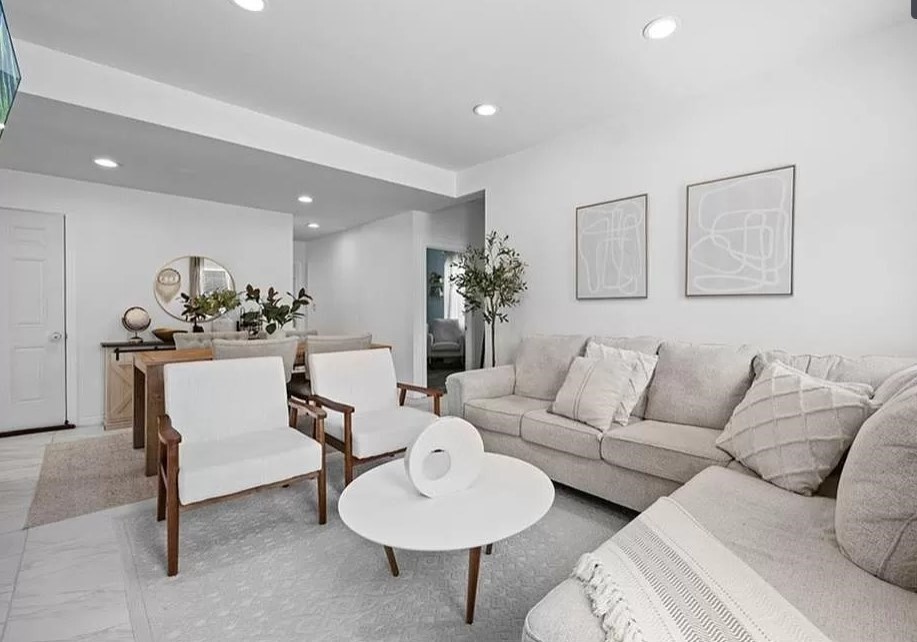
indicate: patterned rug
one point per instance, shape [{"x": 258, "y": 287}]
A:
[
  {"x": 89, "y": 475},
  {"x": 261, "y": 568}
]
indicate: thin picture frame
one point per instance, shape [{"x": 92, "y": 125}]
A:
[
  {"x": 646, "y": 243},
  {"x": 792, "y": 252}
]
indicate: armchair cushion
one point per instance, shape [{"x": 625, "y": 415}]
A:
[
  {"x": 219, "y": 467},
  {"x": 364, "y": 379},
  {"x": 209, "y": 400},
  {"x": 380, "y": 431}
]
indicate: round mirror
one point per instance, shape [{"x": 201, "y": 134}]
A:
[{"x": 191, "y": 275}]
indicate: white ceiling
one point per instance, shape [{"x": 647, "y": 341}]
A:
[
  {"x": 402, "y": 75},
  {"x": 50, "y": 137}
]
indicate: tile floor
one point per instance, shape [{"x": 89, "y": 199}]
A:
[{"x": 62, "y": 581}]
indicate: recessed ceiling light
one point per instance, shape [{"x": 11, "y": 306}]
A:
[
  {"x": 660, "y": 28},
  {"x": 107, "y": 163},
  {"x": 250, "y": 5},
  {"x": 305, "y": 198},
  {"x": 486, "y": 109},
  {"x": 313, "y": 226}
]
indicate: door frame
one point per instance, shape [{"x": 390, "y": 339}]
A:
[{"x": 70, "y": 374}]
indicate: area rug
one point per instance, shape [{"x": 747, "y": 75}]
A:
[
  {"x": 89, "y": 475},
  {"x": 261, "y": 568}
]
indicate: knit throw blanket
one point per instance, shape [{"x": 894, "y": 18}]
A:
[{"x": 664, "y": 578}]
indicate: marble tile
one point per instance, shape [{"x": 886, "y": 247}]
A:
[
  {"x": 12, "y": 546},
  {"x": 21, "y": 457},
  {"x": 78, "y": 615},
  {"x": 15, "y": 500}
]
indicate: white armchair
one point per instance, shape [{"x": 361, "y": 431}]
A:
[
  {"x": 226, "y": 431},
  {"x": 369, "y": 419}
]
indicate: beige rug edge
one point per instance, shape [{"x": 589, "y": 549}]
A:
[{"x": 89, "y": 475}]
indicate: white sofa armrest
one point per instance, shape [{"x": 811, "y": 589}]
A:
[{"x": 478, "y": 384}]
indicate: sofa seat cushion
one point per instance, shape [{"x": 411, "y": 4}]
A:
[
  {"x": 789, "y": 540},
  {"x": 502, "y": 414},
  {"x": 698, "y": 384},
  {"x": 560, "y": 433},
  {"x": 377, "y": 432},
  {"x": 670, "y": 451},
  {"x": 230, "y": 465}
]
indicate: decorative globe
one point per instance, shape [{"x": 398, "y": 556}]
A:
[{"x": 136, "y": 320}]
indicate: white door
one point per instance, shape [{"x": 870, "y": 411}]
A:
[{"x": 32, "y": 341}]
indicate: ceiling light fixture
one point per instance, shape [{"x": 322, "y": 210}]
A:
[
  {"x": 305, "y": 198},
  {"x": 660, "y": 28},
  {"x": 250, "y": 5},
  {"x": 313, "y": 226},
  {"x": 485, "y": 109},
  {"x": 107, "y": 163}
]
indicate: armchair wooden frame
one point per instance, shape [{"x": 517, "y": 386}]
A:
[
  {"x": 168, "y": 505},
  {"x": 346, "y": 446}
]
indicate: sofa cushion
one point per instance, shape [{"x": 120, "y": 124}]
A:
[
  {"x": 899, "y": 381},
  {"x": 641, "y": 373},
  {"x": 699, "y": 384},
  {"x": 230, "y": 465},
  {"x": 876, "y": 515},
  {"x": 789, "y": 540},
  {"x": 569, "y": 436},
  {"x": 671, "y": 451},
  {"x": 793, "y": 429},
  {"x": 502, "y": 414},
  {"x": 593, "y": 390},
  {"x": 447, "y": 331},
  {"x": 646, "y": 345},
  {"x": 872, "y": 370},
  {"x": 377, "y": 432},
  {"x": 542, "y": 364}
]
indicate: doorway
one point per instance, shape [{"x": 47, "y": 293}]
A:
[
  {"x": 33, "y": 360},
  {"x": 446, "y": 319}
]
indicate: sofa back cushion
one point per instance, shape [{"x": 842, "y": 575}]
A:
[
  {"x": 699, "y": 384},
  {"x": 872, "y": 370},
  {"x": 209, "y": 400},
  {"x": 876, "y": 513},
  {"x": 542, "y": 364}
]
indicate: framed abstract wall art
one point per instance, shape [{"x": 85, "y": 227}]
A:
[
  {"x": 740, "y": 234},
  {"x": 611, "y": 249}
]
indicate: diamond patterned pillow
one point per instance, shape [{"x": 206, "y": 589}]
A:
[
  {"x": 642, "y": 368},
  {"x": 792, "y": 429}
]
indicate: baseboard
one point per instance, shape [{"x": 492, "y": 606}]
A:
[{"x": 32, "y": 431}]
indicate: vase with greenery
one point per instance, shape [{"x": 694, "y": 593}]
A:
[
  {"x": 208, "y": 306},
  {"x": 490, "y": 279},
  {"x": 275, "y": 309}
]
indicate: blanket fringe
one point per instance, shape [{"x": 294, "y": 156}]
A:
[{"x": 608, "y": 601}]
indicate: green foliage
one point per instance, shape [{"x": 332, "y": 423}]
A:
[
  {"x": 208, "y": 305},
  {"x": 274, "y": 309},
  {"x": 491, "y": 280},
  {"x": 435, "y": 282}
]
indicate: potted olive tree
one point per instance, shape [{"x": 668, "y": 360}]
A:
[{"x": 491, "y": 281}]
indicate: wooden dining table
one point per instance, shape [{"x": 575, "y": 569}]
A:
[{"x": 149, "y": 393}]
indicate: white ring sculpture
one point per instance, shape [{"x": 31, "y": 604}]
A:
[{"x": 446, "y": 458}]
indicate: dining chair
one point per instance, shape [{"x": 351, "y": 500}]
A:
[
  {"x": 285, "y": 348},
  {"x": 227, "y": 431},
  {"x": 191, "y": 340},
  {"x": 367, "y": 419}
]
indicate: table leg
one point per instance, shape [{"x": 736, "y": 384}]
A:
[
  {"x": 474, "y": 567},
  {"x": 155, "y": 406},
  {"x": 392, "y": 562},
  {"x": 139, "y": 407},
  {"x": 489, "y": 549}
]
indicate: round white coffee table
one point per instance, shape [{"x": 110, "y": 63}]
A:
[{"x": 384, "y": 507}]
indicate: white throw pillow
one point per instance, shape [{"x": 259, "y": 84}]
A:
[
  {"x": 643, "y": 366},
  {"x": 792, "y": 429},
  {"x": 592, "y": 391}
]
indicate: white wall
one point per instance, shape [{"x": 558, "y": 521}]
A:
[
  {"x": 116, "y": 241},
  {"x": 300, "y": 276},
  {"x": 847, "y": 119},
  {"x": 373, "y": 278}
]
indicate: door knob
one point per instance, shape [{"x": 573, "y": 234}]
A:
[{"x": 56, "y": 336}]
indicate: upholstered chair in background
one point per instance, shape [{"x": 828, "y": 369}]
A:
[
  {"x": 284, "y": 348},
  {"x": 446, "y": 340},
  {"x": 191, "y": 340},
  {"x": 226, "y": 431},
  {"x": 367, "y": 418}
]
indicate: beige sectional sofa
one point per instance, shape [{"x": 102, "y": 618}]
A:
[{"x": 669, "y": 448}]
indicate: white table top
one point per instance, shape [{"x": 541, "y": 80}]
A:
[{"x": 384, "y": 507}]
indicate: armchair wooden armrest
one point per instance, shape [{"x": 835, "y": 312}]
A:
[
  {"x": 317, "y": 414},
  {"x": 168, "y": 436},
  {"x": 429, "y": 392},
  {"x": 313, "y": 411},
  {"x": 322, "y": 402}
]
